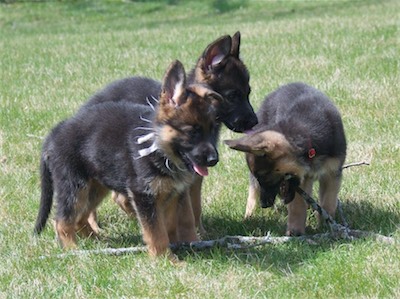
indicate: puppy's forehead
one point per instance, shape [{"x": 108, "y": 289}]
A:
[
  {"x": 198, "y": 105},
  {"x": 198, "y": 113},
  {"x": 236, "y": 68}
]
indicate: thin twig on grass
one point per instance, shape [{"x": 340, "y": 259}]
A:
[
  {"x": 355, "y": 164},
  {"x": 232, "y": 243}
]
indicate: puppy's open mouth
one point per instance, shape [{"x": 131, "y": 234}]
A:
[
  {"x": 200, "y": 170},
  {"x": 287, "y": 189},
  {"x": 192, "y": 166}
]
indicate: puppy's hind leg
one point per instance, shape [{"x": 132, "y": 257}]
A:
[
  {"x": 297, "y": 210},
  {"x": 96, "y": 194},
  {"x": 329, "y": 186},
  {"x": 124, "y": 203},
  {"x": 66, "y": 216},
  {"x": 66, "y": 233},
  {"x": 253, "y": 197}
]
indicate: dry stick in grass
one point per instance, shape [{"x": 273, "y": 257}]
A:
[
  {"x": 233, "y": 243},
  {"x": 338, "y": 231},
  {"x": 355, "y": 164}
]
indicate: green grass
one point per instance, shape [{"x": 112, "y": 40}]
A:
[{"x": 55, "y": 54}]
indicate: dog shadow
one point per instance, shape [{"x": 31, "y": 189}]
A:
[
  {"x": 276, "y": 258},
  {"x": 288, "y": 257},
  {"x": 368, "y": 217}
]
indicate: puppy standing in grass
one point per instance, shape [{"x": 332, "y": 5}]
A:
[
  {"x": 299, "y": 139},
  {"x": 220, "y": 68},
  {"x": 150, "y": 157}
]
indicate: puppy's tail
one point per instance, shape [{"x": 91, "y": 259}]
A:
[{"x": 46, "y": 199}]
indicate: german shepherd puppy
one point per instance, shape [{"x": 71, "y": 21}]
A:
[
  {"x": 149, "y": 156},
  {"x": 221, "y": 69},
  {"x": 299, "y": 139}
]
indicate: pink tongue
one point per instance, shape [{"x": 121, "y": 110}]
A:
[{"x": 202, "y": 171}]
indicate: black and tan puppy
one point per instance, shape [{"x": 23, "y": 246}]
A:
[
  {"x": 220, "y": 68},
  {"x": 299, "y": 139},
  {"x": 149, "y": 156}
]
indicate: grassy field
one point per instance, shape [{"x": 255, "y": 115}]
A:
[{"x": 55, "y": 54}]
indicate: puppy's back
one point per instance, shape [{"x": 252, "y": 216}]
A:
[
  {"x": 133, "y": 89},
  {"x": 306, "y": 116}
]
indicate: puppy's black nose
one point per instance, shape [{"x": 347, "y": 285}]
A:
[
  {"x": 212, "y": 159},
  {"x": 245, "y": 123},
  {"x": 251, "y": 123}
]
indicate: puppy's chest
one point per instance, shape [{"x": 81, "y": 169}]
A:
[
  {"x": 167, "y": 185},
  {"x": 156, "y": 171}
]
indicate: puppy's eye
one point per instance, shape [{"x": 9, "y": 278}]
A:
[
  {"x": 233, "y": 95},
  {"x": 196, "y": 131},
  {"x": 192, "y": 131}
]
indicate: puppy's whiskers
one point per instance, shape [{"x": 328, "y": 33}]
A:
[
  {"x": 145, "y": 119},
  {"x": 144, "y": 128},
  {"x": 155, "y": 99},
  {"x": 167, "y": 165},
  {"x": 144, "y": 138},
  {"x": 146, "y": 151},
  {"x": 150, "y": 104}
]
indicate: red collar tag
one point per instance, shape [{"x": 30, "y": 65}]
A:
[{"x": 311, "y": 153}]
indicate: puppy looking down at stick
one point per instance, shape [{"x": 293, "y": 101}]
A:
[{"x": 299, "y": 139}]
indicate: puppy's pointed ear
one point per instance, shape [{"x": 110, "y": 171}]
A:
[
  {"x": 216, "y": 52},
  {"x": 249, "y": 144},
  {"x": 267, "y": 143},
  {"x": 235, "y": 44},
  {"x": 174, "y": 84}
]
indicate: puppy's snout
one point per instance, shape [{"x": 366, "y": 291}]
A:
[
  {"x": 212, "y": 158},
  {"x": 242, "y": 124},
  {"x": 206, "y": 155}
]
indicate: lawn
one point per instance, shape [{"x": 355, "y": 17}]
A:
[{"x": 55, "y": 54}]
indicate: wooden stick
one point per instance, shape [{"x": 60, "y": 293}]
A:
[
  {"x": 233, "y": 243},
  {"x": 106, "y": 251},
  {"x": 355, "y": 164}
]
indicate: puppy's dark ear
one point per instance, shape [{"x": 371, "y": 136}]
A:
[
  {"x": 235, "y": 44},
  {"x": 267, "y": 143},
  {"x": 216, "y": 52},
  {"x": 174, "y": 84}
]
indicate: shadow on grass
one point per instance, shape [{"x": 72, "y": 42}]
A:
[
  {"x": 366, "y": 216},
  {"x": 313, "y": 8},
  {"x": 225, "y": 6},
  {"x": 287, "y": 257},
  {"x": 278, "y": 258},
  {"x": 110, "y": 11}
]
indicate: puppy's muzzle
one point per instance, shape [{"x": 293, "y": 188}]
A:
[{"x": 206, "y": 155}]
